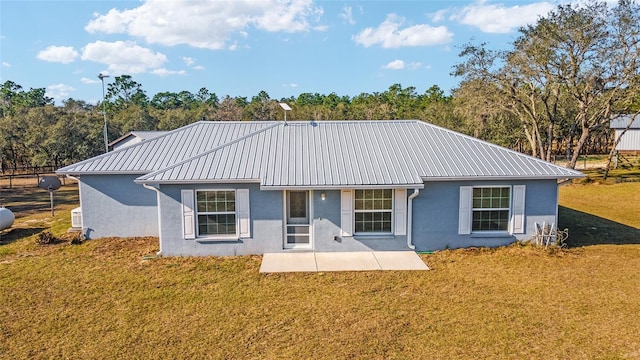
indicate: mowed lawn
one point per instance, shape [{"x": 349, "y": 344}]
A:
[{"x": 110, "y": 298}]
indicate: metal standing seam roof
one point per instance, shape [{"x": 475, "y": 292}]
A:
[
  {"x": 621, "y": 122},
  {"x": 334, "y": 154},
  {"x": 143, "y": 135},
  {"x": 165, "y": 150}
]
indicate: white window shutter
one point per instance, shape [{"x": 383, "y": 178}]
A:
[
  {"x": 188, "y": 214},
  {"x": 346, "y": 212},
  {"x": 242, "y": 207},
  {"x": 400, "y": 208},
  {"x": 464, "y": 215},
  {"x": 518, "y": 209}
]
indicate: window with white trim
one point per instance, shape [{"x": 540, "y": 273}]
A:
[
  {"x": 216, "y": 212},
  {"x": 373, "y": 211},
  {"x": 490, "y": 208}
]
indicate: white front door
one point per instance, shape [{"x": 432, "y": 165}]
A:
[{"x": 297, "y": 228}]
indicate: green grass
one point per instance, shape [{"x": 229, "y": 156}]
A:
[
  {"x": 599, "y": 211},
  {"x": 102, "y": 299}
]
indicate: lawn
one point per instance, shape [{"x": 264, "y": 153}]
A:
[{"x": 110, "y": 298}]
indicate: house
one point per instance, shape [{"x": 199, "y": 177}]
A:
[
  {"x": 132, "y": 138},
  {"x": 231, "y": 188},
  {"x": 629, "y": 141}
]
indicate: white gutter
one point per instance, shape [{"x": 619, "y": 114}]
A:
[
  {"x": 159, "y": 253},
  {"x": 73, "y": 178},
  {"x": 415, "y": 194}
]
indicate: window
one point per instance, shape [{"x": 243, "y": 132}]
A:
[
  {"x": 373, "y": 210},
  {"x": 491, "y": 206},
  {"x": 216, "y": 212}
]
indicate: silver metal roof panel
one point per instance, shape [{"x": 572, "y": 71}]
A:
[
  {"x": 354, "y": 153},
  {"x": 166, "y": 149},
  {"x": 621, "y": 122}
]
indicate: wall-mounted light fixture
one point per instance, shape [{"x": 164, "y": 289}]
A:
[{"x": 323, "y": 196}]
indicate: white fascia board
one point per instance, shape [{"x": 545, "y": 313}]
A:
[
  {"x": 502, "y": 178},
  {"x": 341, "y": 187},
  {"x": 80, "y": 173},
  {"x": 201, "y": 181}
]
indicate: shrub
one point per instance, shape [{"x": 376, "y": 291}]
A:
[
  {"x": 77, "y": 238},
  {"x": 46, "y": 238}
]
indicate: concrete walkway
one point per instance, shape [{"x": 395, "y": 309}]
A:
[{"x": 341, "y": 261}]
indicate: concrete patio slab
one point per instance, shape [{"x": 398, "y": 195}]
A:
[
  {"x": 341, "y": 261},
  {"x": 399, "y": 260},
  {"x": 288, "y": 262},
  {"x": 346, "y": 261}
]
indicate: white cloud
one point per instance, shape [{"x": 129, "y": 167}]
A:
[
  {"x": 400, "y": 65},
  {"x": 292, "y": 85},
  {"x": 188, "y": 60},
  {"x": 390, "y": 35},
  {"x": 395, "y": 65},
  {"x": 499, "y": 19},
  {"x": 414, "y": 65},
  {"x": 165, "y": 72},
  {"x": 5, "y": 64},
  {"x": 123, "y": 57},
  {"x": 438, "y": 15},
  {"x": 86, "y": 80},
  {"x": 59, "y": 54},
  {"x": 206, "y": 24},
  {"x": 59, "y": 91},
  {"x": 347, "y": 15},
  {"x": 288, "y": 16},
  {"x": 198, "y": 67}
]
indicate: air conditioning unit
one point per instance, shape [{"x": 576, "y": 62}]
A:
[{"x": 76, "y": 218}]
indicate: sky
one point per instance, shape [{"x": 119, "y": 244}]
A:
[{"x": 239, "y": 48}]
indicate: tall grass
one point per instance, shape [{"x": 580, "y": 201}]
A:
[{"x": 111, "y": 298}]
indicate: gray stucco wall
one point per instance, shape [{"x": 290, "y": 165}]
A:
[
  {"x": 115, "y": 206},
  {"x": 435, "y": 220},
  {"x": 326, "y": 227},
  {"x": 435, "y": 214},
  {"x": 267, "y": 226}
]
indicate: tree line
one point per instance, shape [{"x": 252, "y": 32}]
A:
[{"x": 553, "y": 93}]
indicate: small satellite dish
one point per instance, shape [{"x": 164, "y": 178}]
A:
[
  {"x": 50, "y": 183},
  {"x": 285, "y": 106}
]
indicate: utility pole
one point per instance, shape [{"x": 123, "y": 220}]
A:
[{"x": 104, "y": 113}]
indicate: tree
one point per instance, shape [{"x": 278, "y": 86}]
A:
[
  {"x": 229, "y": 109},
  {"x": 124, "y": 92},
  {"x": 205, "y": 97},
  {"x": 261, "y": 107},
  {"x": 8, "y": 93},
  {"x": 576, "y": 65},
  {"x": 401, "y": 101},
  {"x": 72, "y": 105},
  {"x": 166, "y": 100},
  {"x": 13, "y": 97}
]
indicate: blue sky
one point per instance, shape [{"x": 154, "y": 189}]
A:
[{"x": 239, "y": 48}]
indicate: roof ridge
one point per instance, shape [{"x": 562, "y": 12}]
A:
[{"x": 205, "y": 153}]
